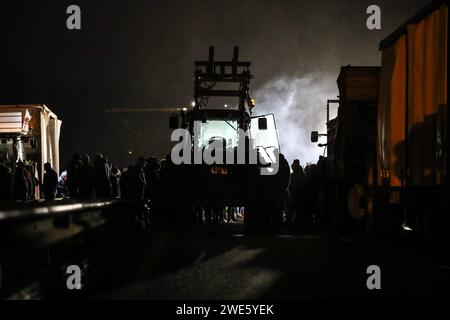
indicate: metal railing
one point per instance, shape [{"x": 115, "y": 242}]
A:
[{"x": 39, "y": 240}]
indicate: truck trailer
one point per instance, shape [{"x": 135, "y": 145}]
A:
[
  {"x": 413, "y": 123},
  {"x": 29, "y": 133},
  {"x": 388, "y": 147},
  {"x": 351, "y": 142}
]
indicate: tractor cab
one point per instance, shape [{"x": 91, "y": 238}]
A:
[
  {"x": 213, "y": 126},
  {"x": 233, "y": 152}
]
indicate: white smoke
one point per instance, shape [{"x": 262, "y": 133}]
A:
[{"x": 299, "y": 105}]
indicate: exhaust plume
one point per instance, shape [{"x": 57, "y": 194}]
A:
[{"x": 299, "y": 105}]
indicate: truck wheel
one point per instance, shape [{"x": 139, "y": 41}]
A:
[{"x": 354, "y": 195}]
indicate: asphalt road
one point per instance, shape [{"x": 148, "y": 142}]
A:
[{"x": 220, "y": 262}]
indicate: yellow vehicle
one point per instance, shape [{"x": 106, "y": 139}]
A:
[
  {"x": 413, "y": 122},
  {"x": 388, "y": 148}
]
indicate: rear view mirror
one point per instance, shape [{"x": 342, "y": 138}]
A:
[
  {"x": 262, "y": 124},
  {"x": 174, "y": 122},
  {"x": 314, "y": 136}
]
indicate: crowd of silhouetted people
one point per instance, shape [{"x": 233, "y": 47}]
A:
[
  {"x": 87, "y": 179},
  {"x": 297, "y": 192},
  {"x": 19, "y": 182},
  {"x": 306, "y": 192}
]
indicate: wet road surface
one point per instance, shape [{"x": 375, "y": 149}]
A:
[{"x": 221, "y": 262}]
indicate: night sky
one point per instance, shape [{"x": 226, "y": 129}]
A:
[{"x": 139, "y": 54}]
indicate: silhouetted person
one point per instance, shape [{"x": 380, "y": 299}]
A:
[
  {"x": 322, "y": 192},
  {"x": 73, "y": 176},
  {"x": 296, "y": 182},
  {"x": 86, "y": 183},
  {"x": 50, "y": 182},
  {"x": 153, "y": 187},
  {"x": 20, "y": 186},
  {"x": 281, "y": 185},
  {"x": 152, "y": 177},
  {"x": 132, "y": 182},
  {"x": 173, "y": 193},
  {"x": 32, "y": 182},
  {"x": 6, "y": 180},
  {"x": 115, "y": 181},
  {"x": 139, "y": 179},
  {"x": 125, "y": 182},
  {"x": 102, "y": 175},
  {"x": 311, "y": 191},
  {"x": 165, "y": 177},
  {"x": 61, "y": 188}
]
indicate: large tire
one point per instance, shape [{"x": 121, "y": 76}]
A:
[{"x": 354, "y": 202}]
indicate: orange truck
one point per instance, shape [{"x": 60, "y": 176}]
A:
[
  {"x": 413, "y": 124},
  {"x": 29, "y": 133},
  {"x": 388, "y": 148}
]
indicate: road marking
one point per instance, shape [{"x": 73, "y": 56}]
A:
[{"x": 304, "y": 237}]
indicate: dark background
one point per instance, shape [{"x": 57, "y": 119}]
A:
[{"x": 139, "y": 54}]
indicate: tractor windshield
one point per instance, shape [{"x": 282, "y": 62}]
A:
[{"x": 212, "y": 130}]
